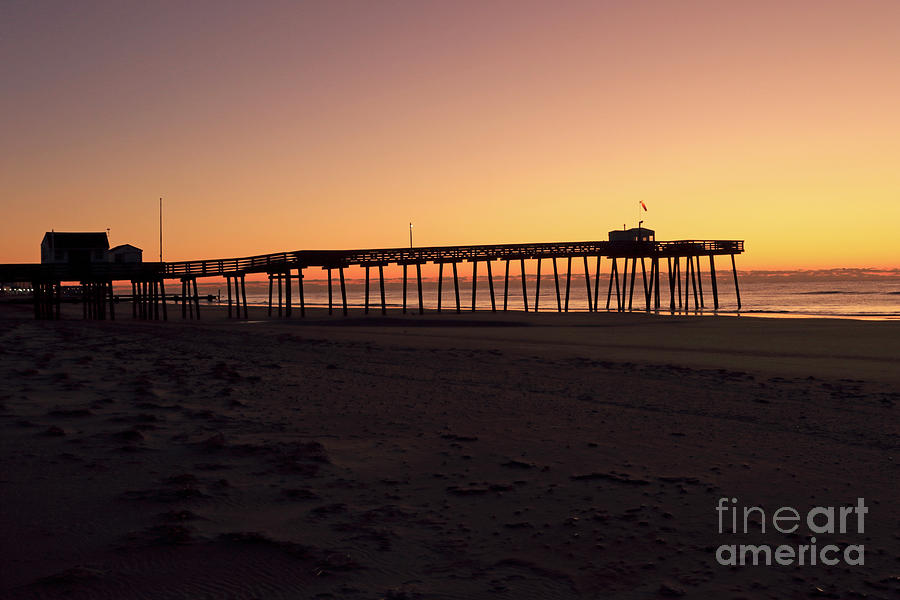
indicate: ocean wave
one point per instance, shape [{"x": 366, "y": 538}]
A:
[
  {"x": 845, "y": 293},
  {"x": 814, "y": 313}
]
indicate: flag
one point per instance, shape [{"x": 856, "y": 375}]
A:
[{"x": 644, "y": 206}]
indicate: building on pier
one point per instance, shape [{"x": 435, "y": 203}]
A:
[
  {"x": 74, "y": 248},
  {"x": 635, "y": 234},
  {"x": 125, "y": 253}
]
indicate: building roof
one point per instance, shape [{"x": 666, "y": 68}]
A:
[
  {"x": 125, "y": 247},
  {"x": 77, "y": 240}
]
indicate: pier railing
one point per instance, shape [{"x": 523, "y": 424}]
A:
[{"x": 437, "y": 254}]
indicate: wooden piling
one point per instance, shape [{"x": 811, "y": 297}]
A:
[
  {"x": 366, "y": 309},
  {"x": 715, "y": 287},
  {"x": 228, "y": 287},
  {"x": 506, "y": 287},
  {"x": 288, "y": 301},
  {"x": 300, "y": 291},
  {"x": 162, "y": 285},
  {"x": 524, "y": 285},
  {"x": 630, "y": 286},
  {"x": 330, "y": 294},
  {"x": 419, "y": 279},
  {"x": 491, "y": 286},
  {"x": 737, "y": 289},
  {"x": 343, "y": 289},
  {"x": 587, "y": 282},
  {"x": 381, "y": 284},
  {"x": 404, "y": 288},
  {"x": 556, "y": 282},
  {"x": 440, "y": 293},
  {"x": 244, "y": 295},
  {"x": 694, "y": 282},
  {"x": 474, "y": 282},
  {"x": 699, "y": 279},
  {"x": 280, "y": 277},
  {"x": 612, "y": 270},
  {"x": 456, "y": 286},
  {"x": 196, "y": 297}
]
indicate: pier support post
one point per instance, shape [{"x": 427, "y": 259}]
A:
[
  {"x": 737, "y": 289},
  {"x": 506, "y": 287},
  {"x": 366, "y": 309},
  {"x": 244, "y": 295},
  {"x": 330, "y": 293},
  {"x": 228, "y": 287},
  {"x": 693, "y": 282},
  {"x": 474, "y": 282},
  {"x": 656, "y": 281},
  {"x": 524, "y": 285},
  {"x": 556, "y": 281},
  {"x": 644, "y": 278},
  {"x": 440, "y": 294},
  {"x": 537, "y": 287},
  {"x": 404, "y": 288},
  {"x": 491, "y": 286},
  {"x": 626, "y": 284},
  {"x": 300, "y": 291},
  {"x": 156, "y": 300},
  {"x": 343, "y": 289},
  {"x": 597, "y": 285},
  {"x": 587, "y": 283},
  {"x": 381, "y": 283},
  {"x": 270, "y": 295},
  {"x": 456, "y": 286},
  {"x": 196, "y": 297},
  {"x": 568, "y": 280},
  {"x": 678, "y": 279},
  {"x": 699, "y": 269},
  {"x": 419, "y": 279},
  {"x": 288, "y": 302},
  {"x": 613, "y": 270},
  {"x": 162, "y": 286},
  {"x": 280, "y": 277},
  {"x": 712, "y": 276}
]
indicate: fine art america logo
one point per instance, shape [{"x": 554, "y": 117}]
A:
[{"x": 818, "y": 520}]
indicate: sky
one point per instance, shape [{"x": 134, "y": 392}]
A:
[{"x": 278, "y": 126}]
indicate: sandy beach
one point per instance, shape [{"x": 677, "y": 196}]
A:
[{"x": 440, "y": 456}]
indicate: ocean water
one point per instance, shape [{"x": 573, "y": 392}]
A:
[{"x": 787, "y": 295}]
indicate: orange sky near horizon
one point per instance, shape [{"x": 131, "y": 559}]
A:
[{"x": 300, "y": 125}]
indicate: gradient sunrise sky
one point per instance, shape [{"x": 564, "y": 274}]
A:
[{"x": 271, "y": 126}]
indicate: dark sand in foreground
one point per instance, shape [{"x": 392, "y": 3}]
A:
[{"x": 512, "y": 456}]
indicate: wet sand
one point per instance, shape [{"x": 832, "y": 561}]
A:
[{"x": 438, "y": 456}]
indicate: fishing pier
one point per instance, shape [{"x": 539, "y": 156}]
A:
[{"x": 679, "y": 264}]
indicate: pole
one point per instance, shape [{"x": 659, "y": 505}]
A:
[
  {"x": 410, "y": 235},
  {"x": 160, "y": 231}
]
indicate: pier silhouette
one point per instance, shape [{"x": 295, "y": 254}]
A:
[{"x": 681, "y": 259}]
